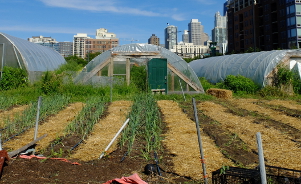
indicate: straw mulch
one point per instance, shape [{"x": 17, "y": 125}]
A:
[
  {"x": 181, "y": 140},
  {"x": 275, "y": 115},
  {"x": 279, "y": 150},
  {"x": 285, "y": 103},
  {"x": 220, "y": 93},
  {"x": 54, "y": 127},
  {"x": 10, "y": 114},
  {"x": 104, "y": 132}
]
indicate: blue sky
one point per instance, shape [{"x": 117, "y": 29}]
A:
[{"x": 128, "y": 19}]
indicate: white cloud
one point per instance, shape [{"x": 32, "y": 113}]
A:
[{"x": 99, "y": 6}]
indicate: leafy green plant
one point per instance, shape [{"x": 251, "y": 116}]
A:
[
  {"x": 13, "y": 78},
  {"x": 240, "y": 83},
  {"x": 138, "y": 77},
  {"x": 296, "y": 83},
  {"x": 284, "y": 76},
  {"x": 50, "y": 82}
]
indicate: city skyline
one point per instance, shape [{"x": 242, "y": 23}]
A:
[{"x": 129, "y": 20}]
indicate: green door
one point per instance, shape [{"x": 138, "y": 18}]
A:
[{"x": 157, "y": 74}]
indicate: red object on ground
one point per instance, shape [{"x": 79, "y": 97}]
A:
[
  {"x": 3, "y": 158},
  {"x": 61, "y": 159},
  {"x": 133, "y": 179}
]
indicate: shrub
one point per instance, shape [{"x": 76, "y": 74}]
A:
[
  {"x": 50, "y": 83},
  {"x": 240, "y": 83},
  {"x": 138, "y": 77},
  {"x": 13, "y": 78},
  {"x": 284, "y": 76},
  {"x": 297, "y": 83}
]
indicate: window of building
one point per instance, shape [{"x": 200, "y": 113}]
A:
[
  {"x": 298, "y": 9},
  {"x": 293, "y": 32},
  {"x": 290, "y": 9},
  {"x": 299, "y": 33}
]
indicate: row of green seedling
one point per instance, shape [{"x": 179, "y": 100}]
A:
[
  {"x": 6, "y": 102},
  {"x": 90, "y": 114},
  {"x": 144, "y": 124},
  {"x": 22, "y": 121}
]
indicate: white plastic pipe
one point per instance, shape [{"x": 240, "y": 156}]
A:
[
  {"x": 110, "y": 144},
  {"x": 37, "y": 118},
  {"x": 261, "y": 159}
]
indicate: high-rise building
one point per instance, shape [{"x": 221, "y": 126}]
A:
[
  {"x": 171, "y": 38},
  {"x": 154, "y": 40},
  {"x": 99, "y": 45},
  {"x": 185, "y": 36},
  {"x": 219, "y": 32},
  {"x": 82, "y": 44},
  {"x": 66, "y": 48},
  {"x": 195, "y": 32},
  {"x": 79, "y": 44},
  {"x": 264, "y": 25}
]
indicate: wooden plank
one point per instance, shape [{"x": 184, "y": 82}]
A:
[
  {"x": 135, "y": 54},
  {"x": 190, "y": 83},
  {"x": 13, "y": 153},
  {"x": 94, "y": 71},
  {"x": 128, "y": 71}
]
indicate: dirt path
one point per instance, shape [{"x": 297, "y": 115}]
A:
[
  {"x": 54, "y": 127},
  {"x": 276, "y": 115},
  {"x": 181, "y": 140},
  {"x": 287, "y": 104},
  {"x": 103, "y": 132},
  {"x": 278, "y": 149},
  {"x": 11, "y": 113}
]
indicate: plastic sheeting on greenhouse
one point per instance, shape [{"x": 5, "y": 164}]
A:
[
  {"x": 297, "y": 68},
  {"x": 140, "y": 54},
  {"x": 258, "y": 66},
  {"x": 19, "y": 53}
]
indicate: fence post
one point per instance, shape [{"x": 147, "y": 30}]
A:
[
  {"x": 261, "y": 159},
  {"x": 37, "y": 119},
  {"x": 200, "y": 141}
]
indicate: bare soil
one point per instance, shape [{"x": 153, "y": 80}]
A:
[{"x": 228, "y": 129}]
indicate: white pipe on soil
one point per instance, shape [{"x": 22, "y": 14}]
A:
[{"x": 110, "y": 144}]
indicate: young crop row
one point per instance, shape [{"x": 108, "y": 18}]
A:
[
  {"x": 144, "y": 124},
  {"x": 49, "y": 105},
  {"x": 84, "y": 122},
  {"x": 5, "y": 102}
]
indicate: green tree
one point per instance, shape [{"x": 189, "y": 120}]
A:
[
  {"x": 91, "y": 56},
  {"x": 78, "y": 60}
]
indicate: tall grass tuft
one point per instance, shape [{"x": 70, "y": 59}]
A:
[{"x": 145, "y": 124}]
